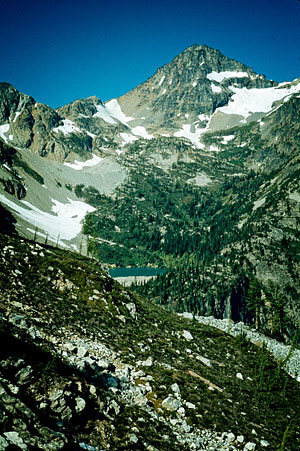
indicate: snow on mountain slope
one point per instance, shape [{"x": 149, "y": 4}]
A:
[
  {"x": 78, "y": 165},
  {"x": 220, "y": 76},
  {"x": 64, "y": 224},
  {"x": 245, "y": 101},
  {"x": 67, "y": 127}
]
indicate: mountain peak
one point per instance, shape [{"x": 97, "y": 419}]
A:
[{"x": 196, "y": 82}]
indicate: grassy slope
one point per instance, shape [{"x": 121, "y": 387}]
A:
[{"x": 267, "y": 401}]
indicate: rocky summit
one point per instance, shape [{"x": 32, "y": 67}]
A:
[{"x": 196, "y": 172}]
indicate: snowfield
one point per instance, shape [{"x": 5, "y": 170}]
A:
[
  {"x": 67, "y": 127},
  {"x": 4, "y": 129},
  {"x": 64, "y": 224},
  {"x": 78, "y": 165},
  {"x": 245, "y": 102},
  {"x": 110, "y": 111},
  {"x": 220, "y": 76}
]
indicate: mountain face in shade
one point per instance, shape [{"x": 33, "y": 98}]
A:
[{"x": 195, "y": 170}]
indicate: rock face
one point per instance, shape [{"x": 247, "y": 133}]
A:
[{"x": 30, "y": 124}]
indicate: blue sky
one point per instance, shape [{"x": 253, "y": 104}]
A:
[{"x": 58, "y": 51}]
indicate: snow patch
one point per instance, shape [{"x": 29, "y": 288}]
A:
[
  {"x": 141, "y": 131},
  {"x": 4, "y": 129},
  {"x": 219, "y": 76},
  {"x": 203, "y": 117},
  {"x": 114, "y": 110},
  {"x": 215, "y": 88},
  {"x": 65, "y": 223},
  {"x": 214, "y": 148},
  {"x": 128, "y": 138},
  {"x": 245, "y": 101},
  {"x": 91, "y": 134},
  {"x": 194, "y": 137},
  {"x": 67, "y": 127},
  {"x": 164, "y": 91},
  {"x": 162, "y": 80},
  {"x": 16, "y": 115},
  {"x": 259, "y": 203},
  {"x": 227, "y": 138},
  {"x": 104, "y": 114},
  {"x": 78, "y": 165}
]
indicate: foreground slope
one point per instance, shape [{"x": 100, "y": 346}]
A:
[{"x": 89, "y": 365}]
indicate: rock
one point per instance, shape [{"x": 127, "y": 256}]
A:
[
  {"x": 264, "y": 443},
  {"x": 66, "y": 413},
  {"x": 2, "y": 390},
  {"x": 82, "y": 351},
  {"x": 204, "y": 360},
  {"x": 104, "y": 365},
  {"x": 115, "y": 406},
  {"x": 187, "y": 315},
  {"x": 250, "y": 446},
  {"x": 240, "y": 376},
  {"x": 140, "y": 400},
  {"x": 148, "y": 362},
  {"x": 93, "y": 390},
  {"x": 230, "y": 437},
  {"x": 20, "y": 321},
  {"x": 181, "y": 411},
  {"x": 15, "y": 439},
  {"x": 80, "y": 404},
  {"x": 3, "y": 443},
  {"x": 56, "y": 394},
  {"x": 23, "y": 375},
  {"x": 190, "y": 405},
  {"x": 69, "y": 346},
  {"x": 171, "y": 404},
  {"x": 133, "y": 438},
  {"x": 187, "y": 335},
  {"x": 175, "y": 388},
  {"x": 186, "y": 427},
  {"x": 240, "y": 438},
  {"x": 132, "y": 309}
]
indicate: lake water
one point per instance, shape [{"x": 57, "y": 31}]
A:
[{"x": 136, "y": 272}]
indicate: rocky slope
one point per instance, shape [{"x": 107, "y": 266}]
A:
[{"x": 89, "y": 365}]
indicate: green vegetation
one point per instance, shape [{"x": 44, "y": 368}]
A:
[
  {"x": 210, "y": 237},
  {"x": 66, "y": 304}
]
